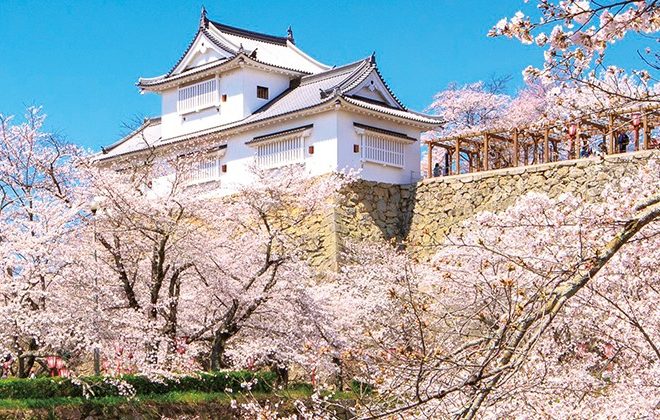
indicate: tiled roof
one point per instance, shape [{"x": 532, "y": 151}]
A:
[
  {"x": 142, "y": 138},
  {"x": 400, "y": 113},
  {"x": 206, "y": 33},
  {"x": 201, "y": 70},
  {"x": 384, "y": 131},
  {"x": 268, "y": 49},
  {"x": 244, "y": 33},
  {"x": 312, "y": 91},
  {"x": 270, "y": 136}
]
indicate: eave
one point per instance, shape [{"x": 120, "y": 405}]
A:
[
  {"x": 211, "y": 69},
  {"x": 421, "y": 121},
  {"x": 224, "y": 132}
]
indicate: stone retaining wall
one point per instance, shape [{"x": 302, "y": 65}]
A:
[{"x": 422, "y": 214}]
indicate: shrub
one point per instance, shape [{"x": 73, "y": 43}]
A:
[
  {"x": 360, "y": 387},
  {"x": 44, "y": 387}
]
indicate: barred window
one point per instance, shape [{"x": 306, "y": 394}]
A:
[
  {"x": 204, "y": 167},
  {"x": 381, "y": 149},
  {"x": 199, "y": 96},
  {"x": 262, "y": 92},
  {"x": 281, "y": 152}
]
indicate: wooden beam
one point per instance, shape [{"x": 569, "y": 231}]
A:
[
  {"x": 452, "y": 148},
  {"x": 647, "y": 131},
  {"x": 610, "y": 130},
  {"x": 499, "y": 137},
  {"x": 515, "y": 147},
  {"x": 430, "y": 161},
  {"x": 485, "y": 159},
  {"x": 546, "y": 139},
  {"x": 594, "y": 124},
  {"x": 458, "y": 156},
  {"x": 536, "y": 151}
]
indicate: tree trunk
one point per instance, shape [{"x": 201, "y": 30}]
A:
[{"x": 218, "y": 350}]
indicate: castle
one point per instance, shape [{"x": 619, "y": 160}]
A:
[{"x": 239, "y": 98}]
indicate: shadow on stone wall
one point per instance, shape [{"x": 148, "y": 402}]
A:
[{"x": 372, "y": 211}]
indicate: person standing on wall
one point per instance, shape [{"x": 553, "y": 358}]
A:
[
  {"x": 622, "y": 141},
  {"x": 436, "y": 169}
]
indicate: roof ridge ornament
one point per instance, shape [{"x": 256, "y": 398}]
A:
[
  {"x": 334, "y": 92},
  {"x": 289, "y": 35},
  {"x": 203, "y": 19},
  {"x": 240, "y": 48},
  {"x": 372, "y": 58}
]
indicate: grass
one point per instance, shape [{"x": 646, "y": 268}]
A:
[{"x": 172, "y": 398}]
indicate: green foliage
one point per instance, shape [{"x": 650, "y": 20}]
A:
[
  {"x": 360, "y": 388},
  {"x": 97, "y": 387},
  {"x": 190, "y": 398}
]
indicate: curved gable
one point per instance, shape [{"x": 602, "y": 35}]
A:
[{"x": 203, "y": 50}]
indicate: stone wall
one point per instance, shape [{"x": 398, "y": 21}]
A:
[{"x": 422, "y": 214}]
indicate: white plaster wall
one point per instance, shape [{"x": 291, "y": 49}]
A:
[
  {"x": 347, "y": 137},
  {"x": 174, "y": 124},
  {"x": 276, "y": 84},
  {"x": 323, "y": 135},
  {"x": 240, "y": 157},
  {"x": 239, "y": 85},
  {"x": 332, "y": 136},
  {"x": 200, "y": 59}
]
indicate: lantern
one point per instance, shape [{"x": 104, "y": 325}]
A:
[
  {"x": 64, "y": 372},
  {"x": 636, "y": 119},
  {"x": 572, "y": 129},
  {"x": 59, "y": 363},
  {"x": 181, "y": 344},
  {"x": 51, "y": 361}
]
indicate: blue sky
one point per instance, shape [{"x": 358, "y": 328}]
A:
[{"x": 80, "y": 59}]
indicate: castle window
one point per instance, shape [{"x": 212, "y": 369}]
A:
[
  {"x": 199, "y": 96},
  {"x": 202, "y": 167},
  {"x": 262, "y": 92},
  {"x": 382, "y": 146},
  {"x": 380, "y": 149},
  {"x": 282, "y": 148},
  {"x": 281, "y": 152}
]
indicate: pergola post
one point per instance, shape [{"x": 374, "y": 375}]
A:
[
  {"x": 647, "y": 131},
  {"x": 450, "y": 160},
  {"x": 458, "y": 156},
  {"x": 546, "y": 152},
  {"x": 536, "y": 151},
  {"x": 485, "y": 159},
  {"x": 611, "y": 131},
  {"x": 515, "y": 147},
  {"x": 429, "y": 156}
]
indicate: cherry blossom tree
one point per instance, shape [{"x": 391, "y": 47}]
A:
[
  {"x": 218, "y": 280},
  {"x": 483, "y": 106},
  {"x": 44, "y": 306},
  {"x": 576, "y": 35},
  {"x": 545, "y": 309},
  {"x": 468, "y": 108},
  {"x": 258, "y": 270}
]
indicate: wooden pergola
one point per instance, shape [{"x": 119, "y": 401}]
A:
[{"x": 563, "y": 140}]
